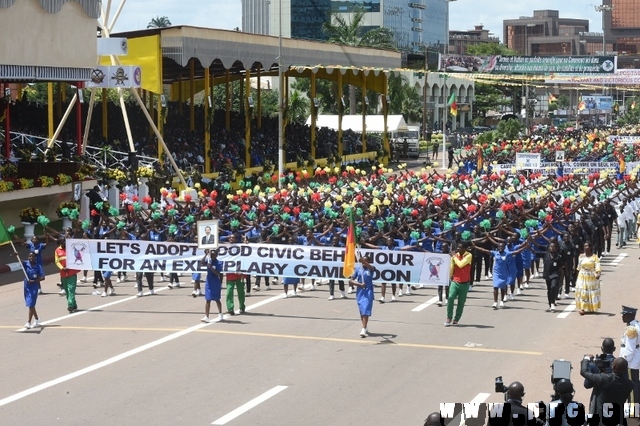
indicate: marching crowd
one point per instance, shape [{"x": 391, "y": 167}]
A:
[{"x": 516, "y": 226}]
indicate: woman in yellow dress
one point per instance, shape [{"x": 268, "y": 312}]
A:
[{"x": 588, "y": 281}]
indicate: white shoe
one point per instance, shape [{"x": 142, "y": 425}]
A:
[
  {"x": 36, "y": 323},
  {"x": 350, "y": 291},
  {"x": 152, "y": 292},
  {"x": 205, "y": 319},
  {"x": 490, "y": 275},
  {"x": 501, "y": 305},
  {"x": 511, "y": 296},
  {"x": 565, "y": 296},
  {"x": 193, "y": 281},
  {"x": 400, "y": 293},
  {"x": 170, "y": 286},
  {"x": 331, "y": 297},
  {"x": 439, "y": 302},
  {"x": 274, "y": 281},
  {"x": 393, "y": 298},
  {"x": 139, "y": 294},
  {"x": 193, "y": 293},
  {"x": 495, "y": 305},
  {"x": 220, "y": 317},
  {"x": 161, "y": 279},
  {"x": 118, "y": 281},
  {"x": 486, "y": 277},
  {"x": 136, "y": 285},
  {"x": 363, "y": 332},
  {"x": 177, "y": 285},
  {"x": 313, "y": 287},
  {"x": 198, "y": 293},
  {"x": 295, "y": 294},
  {"x": 381, "y": 299},
  {"x": 62, "y": 293},
  {"x": 39, "y": 291},
  {"x": 83, "y": 280},
  {"x": 504, "y": 299},
  {"x": 408, "y": 292},
  {"x": 123, "y": 280},
  {"x": 104, "y": 294},
  {"x": 518, "y": 292},
  {"x": 343, "y": 295},
  {"x": 526, "y": 285},
  {"x": 111, "y": 292},
  {"x": 256, "y": 288},
  {"x": 27, "y": 326},
  {"x": 285, "y": 296},
  {"x": 553, "y": 308}
]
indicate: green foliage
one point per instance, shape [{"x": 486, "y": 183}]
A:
[
  {"x": 486, "y": 49},
  {"x": 159, "y": 22},
  {"x": 487, "y": 137},
  {"x": 405, "y": 99},
  {"x": 350, "y": 32},
  {"x": 563, "y": 102},
  {"x": 509, "y": 129},
  {"x": 299, "y": 108},
  {"x": 489, "y": 97},
  {"x": 631, "y": 115}
]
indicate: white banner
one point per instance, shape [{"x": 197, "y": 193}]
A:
[
  {"x": 624, "y": 139},
  {"x": 582, "y": 167},
  {"x": 527, "y": 161},
  {"x": 271, "y": 260}
]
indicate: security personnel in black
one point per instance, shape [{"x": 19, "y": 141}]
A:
[{"x": 567, "y": 249}]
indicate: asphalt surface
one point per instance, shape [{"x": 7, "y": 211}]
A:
[{"x": 126, "y": 360}]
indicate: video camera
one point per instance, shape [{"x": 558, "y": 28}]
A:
[
  {"x": 501, "y": 388},
  {"x": 604, "y": 364}
]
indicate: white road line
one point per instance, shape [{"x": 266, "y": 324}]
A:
[
  {"x": 425, "y": 304},
  {"x": 481, "y": 397},
  {"x": 97, "y": 308},
  {"x": 565, "y": 313},
  {"x": 617, "y": 260},
  {"x": 115, "y": 359},
  {"x": 249, "y": 405}
]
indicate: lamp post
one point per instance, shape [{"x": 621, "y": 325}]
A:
[
  {"x": 602, "y": 9},
  {"x": 445, "y": 117},
  {"x": 281, "y": 100}
]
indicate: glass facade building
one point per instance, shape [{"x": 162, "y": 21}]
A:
[
  {"x": 307, "y": 17},
  {"x": 624, "y": 26}
]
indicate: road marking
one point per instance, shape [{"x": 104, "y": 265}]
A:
[
  {"x": 112, "y": 360},
  {"x": 249, "y": 405},
  {"x": 617, "y": 260},
  {"x": 481, "y": 397},
  {"x": 425, "y": 304},
  {"x": 97, "y": 308},
  {"x": 565, "y": 313}
]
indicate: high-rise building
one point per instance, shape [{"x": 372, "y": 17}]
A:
[
  {"x": 546, "y": 34},
  {"x": 255, "y": 16},
  {"x": 622, "y": 24},
  {"x": 417, "y": 25}
]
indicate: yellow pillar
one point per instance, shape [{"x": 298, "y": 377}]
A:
[
  {"x": 259, "y": 101},
  {"x": 385, "y": 134},
  {"x": 247, "y": 119},
  {"x": 19, "y": 88},
  {"x": 160, "y": 126},
  {"x": 50, "y": 109},
  {"x": 364, "y": 112},
  {"x": 105, "y": 115},
  {"x": 314, "y": 115},
  {"x": 192, "y": 89},
  {"x": 227, "y": 116},
  {"x": 180, "y": 94},
  {"x": 341, "y": 109},
  {"x": 207, "y": 132}
]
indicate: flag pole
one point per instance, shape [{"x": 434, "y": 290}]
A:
[{"x": 19, "y": 260}]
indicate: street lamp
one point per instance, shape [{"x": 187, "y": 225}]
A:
[{"x": 602, "y": 9}]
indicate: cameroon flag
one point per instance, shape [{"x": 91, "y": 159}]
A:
[
  {"x": 350, "y": 253},
  {"x": 480, "y": 160},
  {"x": 453, "y": 105}
]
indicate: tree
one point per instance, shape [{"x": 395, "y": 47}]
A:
[
  {"x": 632, "y": 112},
  {"x": 298, "y": 110},
  {"x": 159, "y": 22},
  {"x": 404, "y": 99},
  {"x": 352, "y": 32},
  {"x": 489, "y": 97},
  {"x": 488, "y": 49}
]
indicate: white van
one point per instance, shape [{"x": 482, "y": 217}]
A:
[{"x": 412, "y": 135}]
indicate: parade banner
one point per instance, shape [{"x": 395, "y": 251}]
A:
[
  {"x": 620, "y": 77},
  {"x": 624, "y": 139},
  {"x": 529, "y": 64},
  {"x": 527, "y": 161},
  {"x": 576, "y": 167},
  {"x": 273, "y": 260}
]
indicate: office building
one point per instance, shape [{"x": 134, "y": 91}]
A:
[
  {"x": 546, "y": 34},
  {"x": 255, "y": 16},
  {"x": 622, "y": 24},
  {"x": 460, "y": 40}
]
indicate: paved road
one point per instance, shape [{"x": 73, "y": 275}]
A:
[{"x": 124, "y": 360}]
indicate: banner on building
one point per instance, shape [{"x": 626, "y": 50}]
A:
[
  {"x": 527, "y": 161},
  {"x": 392, "y": 266},
  {"x": 620, "y": 77},
  {"x": 528, "y": 64},
  {"x": 113, "y": 77}
]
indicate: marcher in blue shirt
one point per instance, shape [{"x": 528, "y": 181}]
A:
[
  {"x": 34, "y": 273},
  {"x": 213, "y": 283},
  {"x": 363, "y": 279}
]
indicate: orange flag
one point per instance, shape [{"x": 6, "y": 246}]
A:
[{"x": 350, "y": 254}]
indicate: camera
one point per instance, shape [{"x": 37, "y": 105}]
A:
[
  {"x": 604, "y": 363},
  {"x": 560, "y": 369},
  {"x": 501, "y": 388}
]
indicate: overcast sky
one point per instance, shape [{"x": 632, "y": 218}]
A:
[{"x": 227, "y": 14}]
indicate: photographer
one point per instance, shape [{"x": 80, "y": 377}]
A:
[
  {"x": 610, "y": 392},
  {"x": 603, "y": 362},
  {"x": 563, "y": 410}
]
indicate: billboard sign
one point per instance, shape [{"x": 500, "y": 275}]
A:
[{"x": 528, "y": 64}]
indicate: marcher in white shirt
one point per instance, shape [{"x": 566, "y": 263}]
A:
[{"x": 622, "y": 226}]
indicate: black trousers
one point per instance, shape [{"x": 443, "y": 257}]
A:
[
  {"x": 262, "y": 277},
  {"x": 552, "y": 290},
  {"x": 440, "y": 287},
  {"x": 247, "y": 282},
  {"x": 148, "y": 276},
  {"x": 332, "y": 286},
  {"x": 635, "y": 393}
]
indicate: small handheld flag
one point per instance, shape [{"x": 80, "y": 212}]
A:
[{"x": 350, "y": 254}]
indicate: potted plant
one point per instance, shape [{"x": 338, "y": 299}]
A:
[
  {"x": 63, "y": 179},
  {"x": 144, "y": 174},
  {"x": 46, "y": 181},
  {"x": 29, "y": 217},
  {"x": 115, "y": 176}
]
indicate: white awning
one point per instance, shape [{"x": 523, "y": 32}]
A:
[{"x": 374, "y": 123}]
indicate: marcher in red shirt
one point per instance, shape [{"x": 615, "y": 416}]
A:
[{"x": 460, "y": 281}]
